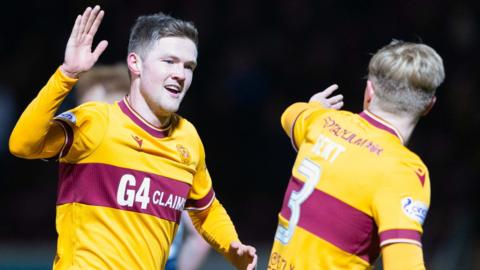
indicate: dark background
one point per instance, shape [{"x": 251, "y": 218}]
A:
[{"x": 255, "y": 58}]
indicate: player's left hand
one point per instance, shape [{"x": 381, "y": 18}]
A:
[
  {"x": 335, "y": 102},
  {"x": 243, "y": 257}
]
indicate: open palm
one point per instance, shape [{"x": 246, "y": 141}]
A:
[{"x": 78, "y": 54}]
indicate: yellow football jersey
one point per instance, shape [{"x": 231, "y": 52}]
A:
[
  {"x": 354, "y": 188},
  {"x": 119, "y": 174},
  {"x": 122, "y": 182}
]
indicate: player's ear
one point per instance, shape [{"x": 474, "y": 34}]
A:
[
  {"x": 134, "y": 63},
  {"x": 430, "y": 106},
  {"x": 368, "y": 95}
]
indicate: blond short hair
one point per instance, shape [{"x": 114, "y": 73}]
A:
[
  {"x": 113, "y": 78},
  {"x": 405, "y": 77}
]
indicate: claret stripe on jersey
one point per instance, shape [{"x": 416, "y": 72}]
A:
[
  {"x": 335, "y": 222},
  {"x": 202, "y": 203},
  {"x": 400, "y": 236},
  {"x": 125, "y": 189}
]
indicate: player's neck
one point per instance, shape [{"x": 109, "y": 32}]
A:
[
  {"x": 138, "y": 103},
  {"x": 403, "y": 124}
]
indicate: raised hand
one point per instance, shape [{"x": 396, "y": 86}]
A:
[
  {"x": 78, "y": 54},
  {"x": 244, "y": 257},
  {"x": 335, "y": 102}
]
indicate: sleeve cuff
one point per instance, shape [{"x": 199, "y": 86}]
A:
[
  {"x": 400, "y": 236},
  {"x": 64, "y": 79},
  {"x": 202, "y": 203}
]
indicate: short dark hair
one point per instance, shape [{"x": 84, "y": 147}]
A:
[{"x": 150, "y": 28}]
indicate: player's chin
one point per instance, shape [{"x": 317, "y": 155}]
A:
[{"x": 171, "y": 107}]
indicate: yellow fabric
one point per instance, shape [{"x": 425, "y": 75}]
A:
[
  {"x": 95, "y": 237},
  {"x": 402, "y": 256},
  {"x": 363, "y": 167},
  {"x": 109, "y": 231},
  {"x": 292, "y": 114}
]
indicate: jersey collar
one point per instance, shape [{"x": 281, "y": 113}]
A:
[
  {"x": 381, "y": 124},
  {"x": 137, "y": 119}
]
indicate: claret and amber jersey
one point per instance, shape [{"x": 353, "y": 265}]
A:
[
  {"x": 354, "y": 189},
  {"x": 122, "y": 182},
  {"x": 118, "y": 173}
]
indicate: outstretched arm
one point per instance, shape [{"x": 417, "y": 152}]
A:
[{"x": 35, "y": 134}]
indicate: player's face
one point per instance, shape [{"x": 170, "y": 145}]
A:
[{"x": 167, "y": 72}]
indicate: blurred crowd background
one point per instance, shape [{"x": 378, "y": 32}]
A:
[{"x": 256, "y": 58}]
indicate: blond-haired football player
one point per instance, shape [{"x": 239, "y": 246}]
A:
[
  {"x": 356, "y": 190},
  {"x": 127, "y": 170}
]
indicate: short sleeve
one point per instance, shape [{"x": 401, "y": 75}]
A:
[
  {"x": 296, "y": 119},
  {"x": 201, "y": 194},
  {"x": 84, "y": 128},
  {"x": 401, "y": 206}
]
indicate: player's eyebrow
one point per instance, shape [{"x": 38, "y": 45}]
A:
[{"x": 191, "y": 63}]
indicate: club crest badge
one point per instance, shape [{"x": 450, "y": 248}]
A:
[{"x": 184, "y": 154}]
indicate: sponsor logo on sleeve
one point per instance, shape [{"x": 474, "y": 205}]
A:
[
  {"x": 415, "y": 210},
  {"x": 67, "y": 116}
]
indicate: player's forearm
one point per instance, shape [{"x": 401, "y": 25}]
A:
[
  {"x": 215, "y": 226},
  {"x": 28, "y": 138},
  {"x": 402, "y": 256}
]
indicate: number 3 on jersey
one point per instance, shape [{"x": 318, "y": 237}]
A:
[{"x": 312, "y": 173}]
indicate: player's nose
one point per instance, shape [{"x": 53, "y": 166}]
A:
[{"x": 178, "y": 72}]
